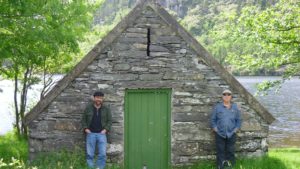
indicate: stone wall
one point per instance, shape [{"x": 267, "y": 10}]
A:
[{"x": 142, "y": 59}]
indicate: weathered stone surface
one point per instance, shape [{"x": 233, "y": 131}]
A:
[
  {"x": 36, "y": 145},
  {"x": 163, "y": 31},
  {"x": 157, "y": 48},
  {"x": 251, "y": 126},
  {"x": 191, "y": 101},
  {"x": 182, "y": 108},
  {"x": 113, "y": 98},
  {"x": 155, "y": 54},
  {"x": 182, "y": 51},
  {"x": 139, "y": 69},
  {"x": 185, "y": 148},
  {"x": 132, "y": 54},
  {"x": 191, "y": 77},
  {"x": 133, "y": 40},
  {"x": 170, "y": 76},
  {"x": 66, "y": 125},
  {"x": 140, "y": 46},
  {"x": 150, "y": 76},
  {"x": 136, "y": 30},
  {"x": 114, "y": 149},
  {"x": 254, "y": 134},
  {"x": 183, "y": 94},
  {"x": 190, "y": 132},
  {"x": 189, "y": 116},
  {"x": 250, "y": 145},
  {"x": 258, "y": 153},
  {"x": 103, "y": 64},
  {"x": 147, "y": 25},
  {"x": 165, "y": 39},
  {"x": 121, "y": 47},
  {"x": 104, "y": 86},
  {"x": 122, "y": 66},
  {"x": 113, "y": 76},
  {"x": 136, "y": 35},
  {"x": 45, "y": 125}
]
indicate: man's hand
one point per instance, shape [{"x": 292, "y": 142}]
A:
[
  {"x": 87, "y": 131},
  {"x": 103, "y": 131},
  {"x": 215, "y": 129}
]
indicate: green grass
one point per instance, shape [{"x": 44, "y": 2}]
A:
[
  {"x": 11, "y": 146},
  {"x": 282, "y": 158}
]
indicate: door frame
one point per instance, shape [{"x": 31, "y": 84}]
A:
[{"x": 126, "y": 129}]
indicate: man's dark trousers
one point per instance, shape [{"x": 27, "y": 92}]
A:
[{"x": 225, "y": 150}]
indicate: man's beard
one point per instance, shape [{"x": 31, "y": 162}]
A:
[{"x": 98, "y": 103}]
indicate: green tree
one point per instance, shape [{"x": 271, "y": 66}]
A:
[
  {"x": 38, "y": 38},
  {"x": 253, "y": 38},
  {"x": 274, "y": 35}
]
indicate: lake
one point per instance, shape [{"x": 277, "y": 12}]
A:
[{"x": 285, "y": 107}]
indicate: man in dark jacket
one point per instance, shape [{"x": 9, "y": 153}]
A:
[
  {"x": 96, "y": 123},
  {"x": 225, "y": 122}
]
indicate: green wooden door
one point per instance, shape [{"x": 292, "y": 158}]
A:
[{"x": 147, "y": 129}]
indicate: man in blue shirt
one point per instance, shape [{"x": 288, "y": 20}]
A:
[{"x": 225, "y": 122}]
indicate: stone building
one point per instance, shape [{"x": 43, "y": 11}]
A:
[{"x": 160, "y": 84}]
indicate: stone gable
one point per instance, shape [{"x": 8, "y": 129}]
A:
[{"x": 148, "y": 54}]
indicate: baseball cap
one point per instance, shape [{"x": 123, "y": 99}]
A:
[
  {"x": 226, "y": 91},
  {"x": 98, "y": 93}
]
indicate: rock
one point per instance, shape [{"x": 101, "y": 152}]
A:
[
  {"x": 136, "y": 35},
  {"x": 251, "y": 126},
  {"x": 139, "y": 69},
  {"x": 140, "y": 46},
  {"x": 104, "y": 86},
  {"x": 114, "y": 149},
  {"x": 136, "y": 30},
  {"x": 122, "y": 66},
  {"x": 66, "y": 125},
  {"x": 157, "y": 48},
  {"x": 185, "y": 148},
  {"x": 150, "y": 77},
  {"x": 183, "y": 94}
]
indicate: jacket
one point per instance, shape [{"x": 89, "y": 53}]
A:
[
  {"x": 106, "y": 117},
  {"x": 226, "y": 121}
]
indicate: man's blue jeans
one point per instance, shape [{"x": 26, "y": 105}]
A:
[
  {"x": 93, "y": 139},
  {"x": 225, "y": 150}
]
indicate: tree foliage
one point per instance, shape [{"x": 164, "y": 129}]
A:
[
  {"x": 38, "y": 38},
  {"x": 274, "y": 34},
  {"x": 261, "y": 38}
]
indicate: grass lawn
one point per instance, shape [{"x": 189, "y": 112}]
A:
[{"x": 14, "y": 154}]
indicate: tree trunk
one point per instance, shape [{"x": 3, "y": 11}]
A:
[
  {"x": 23, "y": 104},
  {"x": 16, "y": 102}
]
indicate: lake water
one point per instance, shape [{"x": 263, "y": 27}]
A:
[{"x": 285, "y": 107}]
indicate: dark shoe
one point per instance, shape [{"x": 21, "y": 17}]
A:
[{"x": 227, "y": 164}]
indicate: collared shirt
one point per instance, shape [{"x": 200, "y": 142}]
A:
[{"x": 226, "y": 120}]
